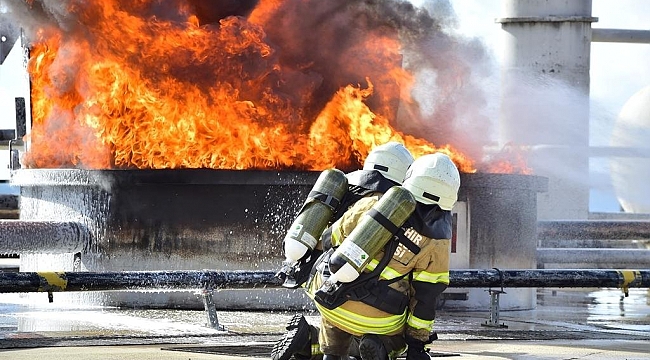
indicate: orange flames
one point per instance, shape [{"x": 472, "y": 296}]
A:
[
  {"x": 510, "y": 159},
  {"x": 118, "y": 88}
]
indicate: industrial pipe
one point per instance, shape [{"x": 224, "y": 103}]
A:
[
  {"x": 593, "y": 229},
  {"x": 620, "y": 36},
  {"x": 547, "y": 42},
  {"x": 45, "y": 237},
  {"x": 213, "y": 279},
  {"x": 621, "y": 257}
]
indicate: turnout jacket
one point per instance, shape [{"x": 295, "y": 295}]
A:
[{"x": 420, "y": 276}]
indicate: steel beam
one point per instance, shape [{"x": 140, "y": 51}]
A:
[{"x": 214, "y": 279}]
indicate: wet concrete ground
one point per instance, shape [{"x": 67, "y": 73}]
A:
[{"x": 567, "y": 324}]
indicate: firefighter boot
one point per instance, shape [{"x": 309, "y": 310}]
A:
[
  {"x": 295, "y": 341},
  {"x": 416, "y": 350},
  {"x": 371, "y": 348}
]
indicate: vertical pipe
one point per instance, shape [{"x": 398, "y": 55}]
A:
[{"x": 545, "y": 97}]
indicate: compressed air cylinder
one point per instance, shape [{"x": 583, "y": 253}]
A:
[
  {"x": 315, "y": 214},
  {"x": 369, "y": 236}
]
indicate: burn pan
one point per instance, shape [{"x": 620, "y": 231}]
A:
[
  {"x": 169, "y": 219},
  {"x": 194, "y": 219},
  {"x": 226, "y": 219}
]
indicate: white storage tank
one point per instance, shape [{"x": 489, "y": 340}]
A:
[{"x": 631, "y": 174}]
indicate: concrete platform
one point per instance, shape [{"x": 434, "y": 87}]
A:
[
  {"x": 587, "y": 350},
  {"x": 567, "y": 324}
]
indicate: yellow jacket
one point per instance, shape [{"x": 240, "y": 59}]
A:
[{"x": 424, "y": 275}]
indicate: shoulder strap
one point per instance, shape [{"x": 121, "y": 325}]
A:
[
  {"x": 398, "y": 232},
  {"x": 357, "y": 289}
]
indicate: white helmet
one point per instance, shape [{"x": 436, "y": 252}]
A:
[
  {"x": 434, "y": 179},
  {"x": 392, "y": 159}
]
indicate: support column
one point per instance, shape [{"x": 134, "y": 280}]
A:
[{"x": 545, "y": 97}]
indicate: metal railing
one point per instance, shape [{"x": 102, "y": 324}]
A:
[
  {"x": 574, "y": 231},
  {"x": 209, "y": 280},
  {"x": 241, "y": 279}
]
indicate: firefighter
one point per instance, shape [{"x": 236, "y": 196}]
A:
[
  {"x": 384, "y": 167},
  {"x": 390, "y": 307}
]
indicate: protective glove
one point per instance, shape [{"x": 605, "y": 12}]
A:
[{"x": 415, "y": 350}]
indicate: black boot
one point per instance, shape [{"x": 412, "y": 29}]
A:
[
  {"x": 332, "y": 357},
  {"x": 416, "y": 350},
  {"x": 297, "y": 339},
  {"x": 371, "y": 348}
]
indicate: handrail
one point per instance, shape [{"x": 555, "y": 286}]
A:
[{"x": 213, "y": 279}]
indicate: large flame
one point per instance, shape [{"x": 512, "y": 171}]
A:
[{"x": 120, "y": 88}]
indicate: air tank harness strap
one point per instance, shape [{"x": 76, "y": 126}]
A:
[
  {"x": 375, "y": 292},
  {"x": 398, "y": 232},
  {"x": 367, "y": 288},
  {"x": 378, "y": 294},
  {"x": 326, "y": 199},
  {"x": 348, "y": 291}
]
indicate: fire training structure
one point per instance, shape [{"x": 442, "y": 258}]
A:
[
  {"x": 194, "y": 219},
  {"x": 110, "y": 221}
]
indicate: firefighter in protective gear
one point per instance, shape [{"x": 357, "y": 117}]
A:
[
  {"x": 395, "y": 308},
  {"x": 372, "y": 233},
  {"x": 433, "y": 181},
  {"x": 384, "y": 167}
]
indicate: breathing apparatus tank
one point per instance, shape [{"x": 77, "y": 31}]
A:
[
  {"x": 372, "y": 233},
  {"x": 315, "y": 215}
]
